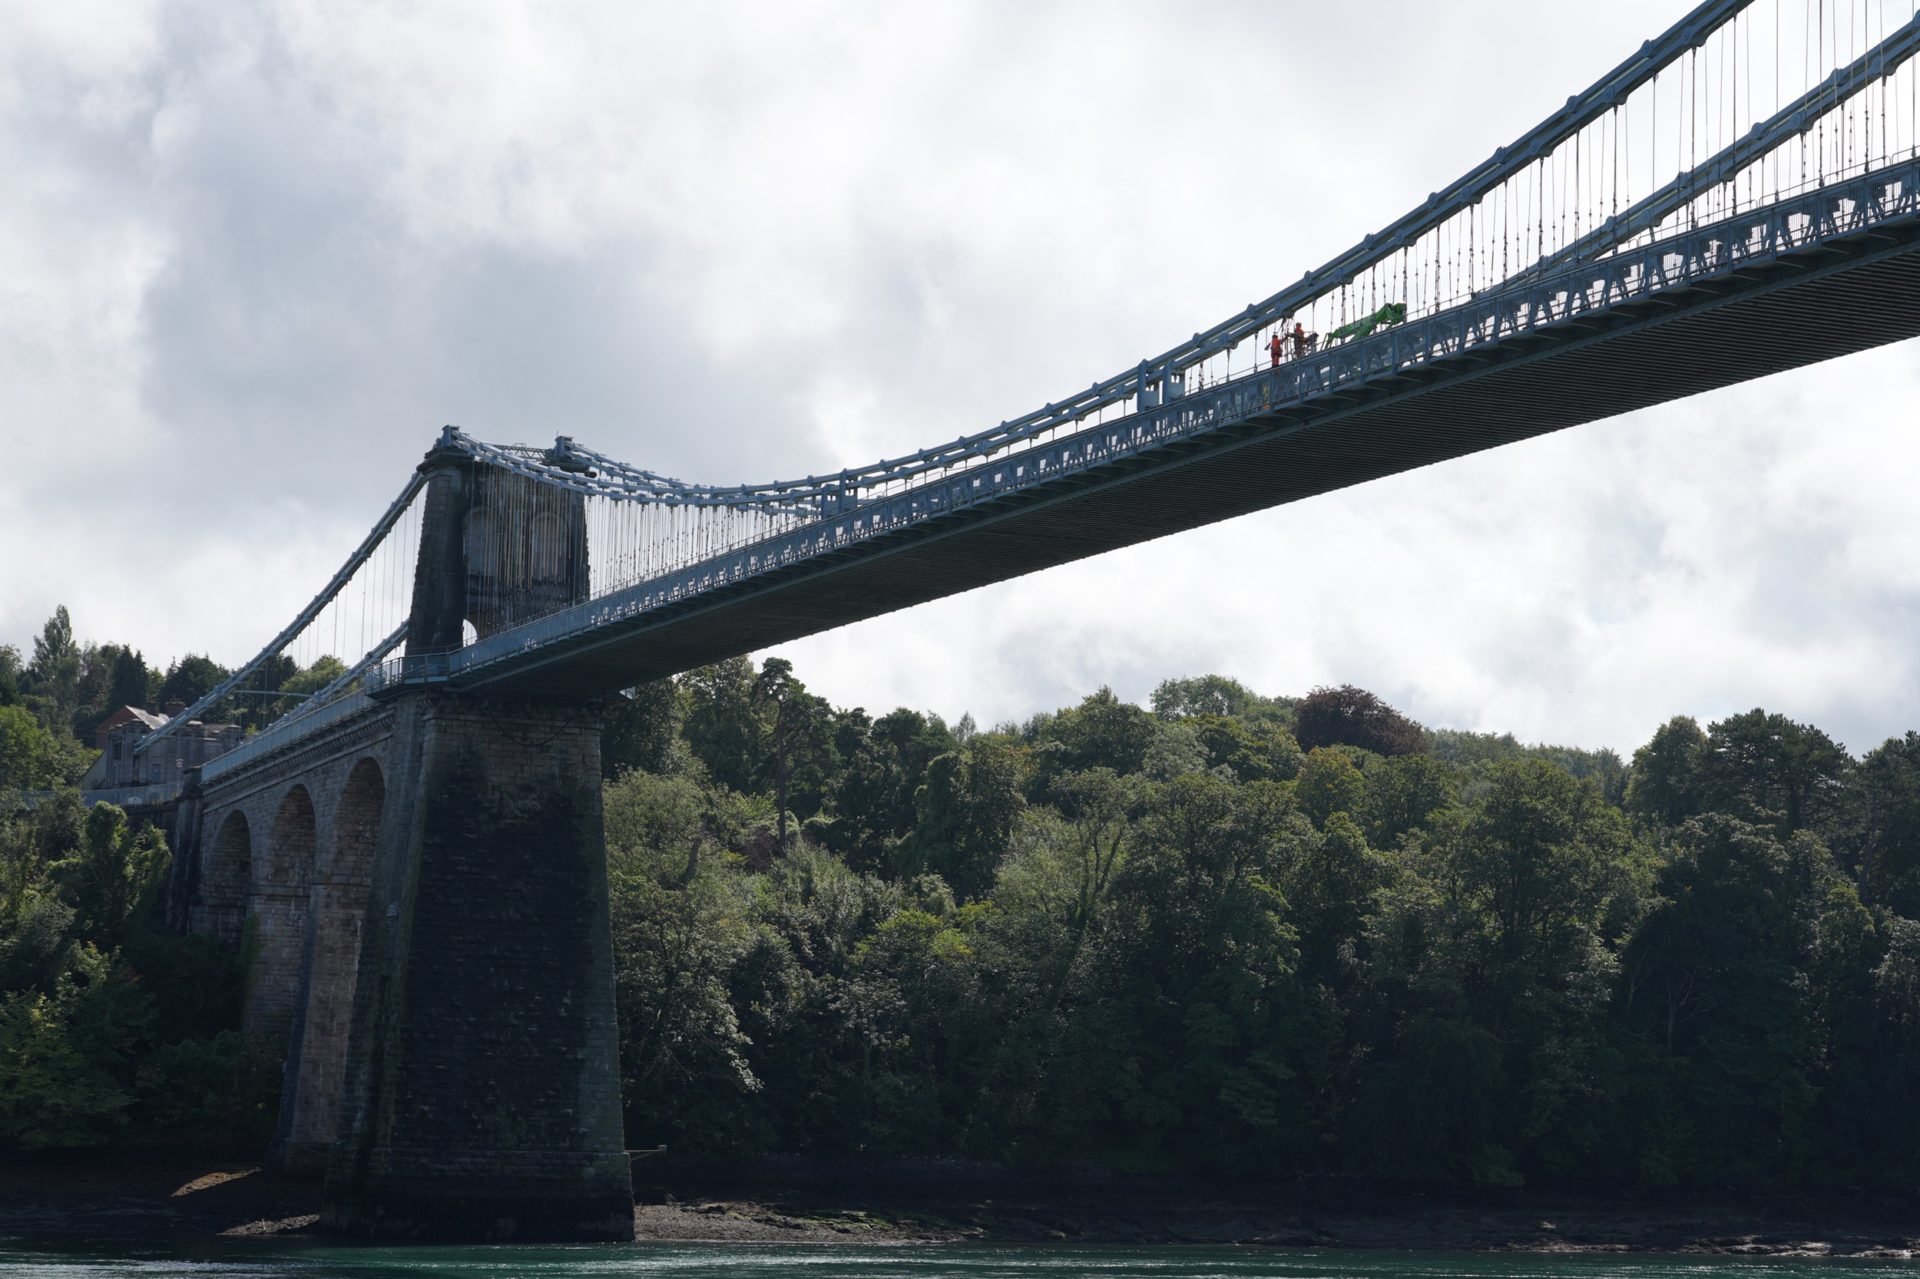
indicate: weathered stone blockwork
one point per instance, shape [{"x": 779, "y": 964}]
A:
[
  {"x": 317, "y": 1064},
  {"x": 483, "y": 1092},
  {"x": 426, "y": 884},
  {"x": 286, "y": 848}
]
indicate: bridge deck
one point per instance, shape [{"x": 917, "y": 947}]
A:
[
  {"x": 1753, "y": 314},
  {"x": 1665, "y": 349}
]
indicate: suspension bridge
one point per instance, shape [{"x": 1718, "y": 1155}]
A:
[{"x": 1739, "y": 197}]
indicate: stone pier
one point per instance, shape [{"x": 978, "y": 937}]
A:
[{"x": 482, "y": 1092}]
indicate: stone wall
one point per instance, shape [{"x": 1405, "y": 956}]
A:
[
  {"x": 286, "y": 848},
  {"x": 281, "y": 875},
  {"x": 317, "y": 1053},
  {"x": 483, "y": 1090}
]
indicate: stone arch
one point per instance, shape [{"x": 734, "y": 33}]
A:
[
  {"x": 226, "y": 878},
  {"x": 279, "y": 903},
  {"x": 338, "y": 905},
  {"x": 356, "y": 822}
]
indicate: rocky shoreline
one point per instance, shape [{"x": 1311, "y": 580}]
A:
[
  {"x": 76, "y": 1202},
  {"x": 1544, "y": 1228}
]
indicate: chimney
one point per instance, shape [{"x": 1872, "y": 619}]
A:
[{"x": 175, "y": 707}]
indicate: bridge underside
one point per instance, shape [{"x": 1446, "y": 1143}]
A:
[{"x": 1797, "y": 310}]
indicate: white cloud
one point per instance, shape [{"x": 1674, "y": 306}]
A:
[{"x": 252, "y": 258}]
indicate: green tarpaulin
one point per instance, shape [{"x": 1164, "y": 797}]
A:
[{"x": 1391, "y": 313}]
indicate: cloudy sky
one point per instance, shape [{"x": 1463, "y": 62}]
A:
[{"x": 250, "y": 259}]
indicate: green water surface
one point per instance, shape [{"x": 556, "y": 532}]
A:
[{"x": 906, "y": 1261}]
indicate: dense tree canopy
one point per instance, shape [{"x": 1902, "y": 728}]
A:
[
  {"x": 1232, "y": 935},
  {"x": 1177, "y": 941}
]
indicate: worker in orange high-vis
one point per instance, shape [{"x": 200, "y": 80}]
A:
[
  {"x": 1275, "y": 348},
  {"x": 1299, "y": 340}
]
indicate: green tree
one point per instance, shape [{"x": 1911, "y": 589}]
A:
[
  {"x": 1331, "y": 887},
  {"x": 1667, "y": 776},
  {"x": 1888, "y": 852},
  {"x": 1890, "y": 1153},
  {"x": 641, "y": 728},
  {"x": 1484, "y": 982},
  {"x": 10, "y": 675},
  {"x": 116, "y": 871},
  {"x": 127, "y": 680},
  {"x": 51, "y": 1094},
  {"x": 966, "y": 812},
  {"x": 678, "y": 931},
  {"x": 1329, "y": 783},
  {"x": 1716, "y": 981},
  {"x": 1852, "y": 1110},
  {"x": 1202, "y": 695},
  {"x": 1532, "y": 860},
  {"x": 874, "y": 796},
  {"x": 1767, "y": 769},
  {"x": 65, "y": 1056},
  {"x": 29, "y": 756},
  {"x": 1207, "y": 1071},
  {"x": 1101, "y": 732},
  {"x": 322, "y": 671},
  {"x": 798, "y": 740},
  {"x": 1251, "y": 751},
  {"x": 54, "y": 672},
  {"x": 915, "y": 1005},
  {"x": 191, "y": 678},
  {"x": 1404, "y": 794},
  {"x": 1429, "y": 1088}
]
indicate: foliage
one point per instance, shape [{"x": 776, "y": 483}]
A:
[
  {"x": 1887, "y": 853},
  {"x": 1667, "y": 786},
  {"x": 112, "y": 1027},
  {"x": 641, "y": 729},
  {"x": 191, "y": 678},
  {"x": 1768, "y": 769},
  {"x": 1232, "y": 936},
  {"x": 1349, "y": 716},
  {"x": 29, "y": 755},
  {"x": 1173, "y": 941}
]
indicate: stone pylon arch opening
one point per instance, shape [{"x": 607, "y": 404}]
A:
[
  {"x": 226, "y": 879},
  {"x": 279, "y": 904},
  {"x": 338, "y": 907}
]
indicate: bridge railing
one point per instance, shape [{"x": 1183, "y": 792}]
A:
[
  {"x": 284, "y": 733},
  {"x": 1576, "y": 292},
  {"x": 147, "y": 796},
  {"x": 135, "y": 796}
]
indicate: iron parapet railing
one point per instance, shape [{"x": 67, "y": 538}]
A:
[
  {"x": 413, "y": 668},
  {"x": 283, "y": 734}
]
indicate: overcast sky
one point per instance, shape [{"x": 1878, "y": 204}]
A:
[{"x": 250, "y": 261}]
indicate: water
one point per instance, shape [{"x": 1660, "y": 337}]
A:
[{"x": 904, "y": 1261}]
